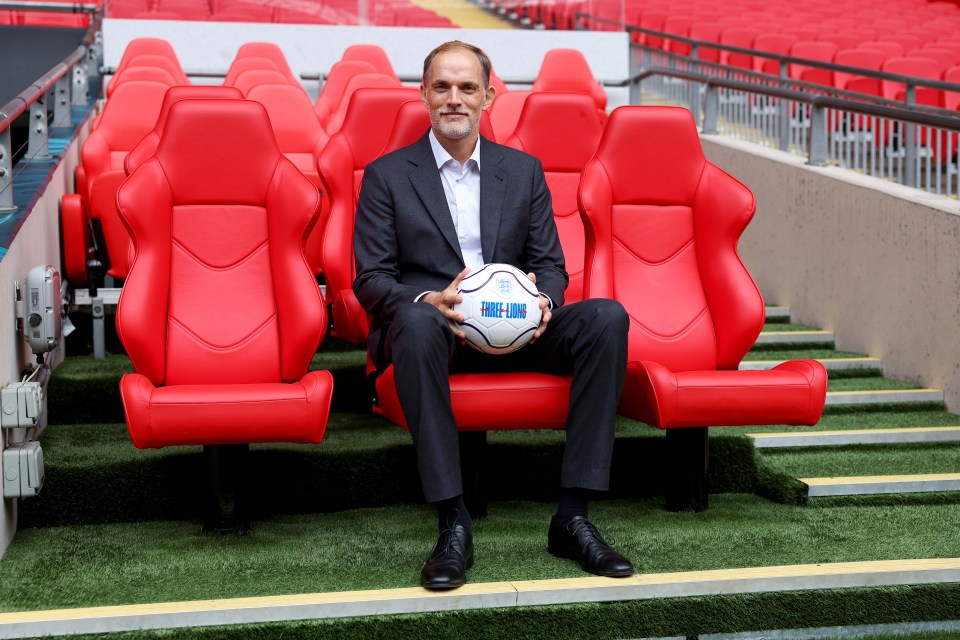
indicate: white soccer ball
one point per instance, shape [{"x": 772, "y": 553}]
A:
[{"x": 500, "y": 307}]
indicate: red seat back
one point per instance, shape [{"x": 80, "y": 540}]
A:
[
  {"x": 662, "y": 226},
  {"x": 146, "y": 47},
  {"x": 359, "y": 81},
  {"x": 567, "y": 71},
  {"x": 265, "y": 49},
  {"x": 919, "y": 68},
  {"x": 335, "y": 84},
  {"x": 865, "y": 59},
  {"x": 563, "y": 159},
  {"x": 219, "y": 292},
  {"x": 371, "y": 53},
  {"x": 366, "y": 128},
  {"x": 505, "y": 113},
  {"x": 813, "y": 50},
  {"x": 149, "y": 67},
  {"x": 148, "y": 145},
  {"x": 251, "y": 78},
  {"x": 239, "y": 65}
]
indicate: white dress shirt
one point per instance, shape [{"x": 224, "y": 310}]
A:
[{"x": 461, "y": 185}]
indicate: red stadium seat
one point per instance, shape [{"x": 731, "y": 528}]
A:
[
  {"x": 865, "y": 59},
  {"x": 952, "y": 98},
  {"x": 943, "y": 57},
  {"x": 563, "y": 159},
  {"x": 239, "y": 65},
  {"x": 813, "y": 50},
  {"x": 335, "y": 84},
  {"x": 266, "y": 50},
  {"x": 371, "y": 53},
  {"x": 742, "y": 37},
  {"x": 708, "y": 32},
  {"x": 678, "y": 25},
  {"x": 251, "y": 78},
  {"x": 221, "y": 315},
  {"x": 360, "y": 81},
  {"x": 148, "y": 145},
  {"x": 146, "y": 47},
  {"x": 505, "y": 113},
  {"x": 778, "y": 43},
  {"x": 662, "y": 226},
  {"x": 366, "y": 128},
  {"x": 925, "y": 68},
  {"x": 891, "y": 49},
  {"x": 567, "y": 71},
  {"x": 127, "y": 117},
  {"x": 161, "y": 68}
]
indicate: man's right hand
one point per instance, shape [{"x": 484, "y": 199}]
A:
[{"x": 444, "y": 301}]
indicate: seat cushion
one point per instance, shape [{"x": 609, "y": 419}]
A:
[
  {"x": 493, "y": 401},
  {"x": 794, "y": 392},
  {"x": 226, "y": 414}
]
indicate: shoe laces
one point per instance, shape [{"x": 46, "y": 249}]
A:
[
  {"x": 589, "y": 530},
  {"x": 449, "y": 542}
]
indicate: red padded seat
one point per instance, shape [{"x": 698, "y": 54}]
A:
[
  {"x": 148, "y": 145},
  {"x": 335, "y": 84},
  {"x": 360, "y": 81},
  {"x": 505, "y": 113},
  {"x": 563, "y": 159},
  {"x": 161, "y": 66},
  {"x": 662, "y": 226},
  {"x": 567, "y": 71},
  {"x": 221, "y": 314},
  {"x": 267, "y": 50},
  {"x": 366, "y": 128},
  {"x": 247, "y": 80},
  {"x": 371, "y": 53},
  {"x": 127, "y": 117}
]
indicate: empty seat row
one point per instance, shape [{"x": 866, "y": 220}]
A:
[{"x": 214, "y": 212}]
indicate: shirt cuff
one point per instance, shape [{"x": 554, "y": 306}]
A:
[
  {"x": 549, "y": 299},
  {"x": 419, "y": 297}
]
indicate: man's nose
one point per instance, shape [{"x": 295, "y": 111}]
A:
[{"x": 454, "y": 96}]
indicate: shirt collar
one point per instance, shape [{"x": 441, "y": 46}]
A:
[{"x": 442, "y": 156}]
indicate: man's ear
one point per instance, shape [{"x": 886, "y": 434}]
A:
[
  {"x": 488, "y": 98},
  {"x": 423, "y": 96}
]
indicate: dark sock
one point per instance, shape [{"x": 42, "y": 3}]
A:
[
  {"x": 573, "y": 502},
  {"x": 452, "y": 512}
]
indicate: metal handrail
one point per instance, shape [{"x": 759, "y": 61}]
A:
[
  {"x": 33, "y": 98},
  {"x": 863, "y": 108}
]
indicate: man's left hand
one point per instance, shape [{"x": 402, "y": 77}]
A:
[{"x": 545, "y": 313}]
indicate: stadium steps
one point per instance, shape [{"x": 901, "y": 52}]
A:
[{"x": 881, "y": 458}]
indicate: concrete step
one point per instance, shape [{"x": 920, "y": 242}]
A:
[
  {"x": 866, "y": 485},
  {"x": 488, "y": 595},
  {"x": 832, "y": 364},
  {"x": 795, "y": 337},
  {"x": 854, "y": 436},
  {"x": 778, "y": 313},
  {"x": 893, "y": 396}
]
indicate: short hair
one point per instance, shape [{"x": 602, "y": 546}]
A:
[{"x": 453, "y": 45}]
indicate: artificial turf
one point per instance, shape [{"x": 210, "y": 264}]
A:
[{"x": 120, "y": 563}]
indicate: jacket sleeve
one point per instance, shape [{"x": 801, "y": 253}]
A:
[
  {"x": 543, "y": 253},
  {"x": 375, "y": 247}
]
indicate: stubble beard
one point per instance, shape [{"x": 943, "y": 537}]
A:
[{"x": 454, "y": 130}]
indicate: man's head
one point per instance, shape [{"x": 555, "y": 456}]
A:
[{"x": 456, "y": 89}]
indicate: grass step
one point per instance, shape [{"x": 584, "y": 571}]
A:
[
  {"x": 863, "y": 460},
  {"x": 832, "y": 364},
  {"x": 501, "y": 595},
  {"x": 866, "y": 485},
  {"x": 855, "y": 436}
]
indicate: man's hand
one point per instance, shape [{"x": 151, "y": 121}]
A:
[
  {"x": 545, "y": 313},
  {"x": 444, "y": 301}
]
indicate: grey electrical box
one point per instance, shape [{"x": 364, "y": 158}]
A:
[
  {"x": 21, "y": 405},
  {"x": 22, "y": 470},
  {"x": 43, "y": 309}
]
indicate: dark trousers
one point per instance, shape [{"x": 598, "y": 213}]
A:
[{"x": 587, "y": 339}]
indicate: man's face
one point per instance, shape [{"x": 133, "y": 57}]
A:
[{"x": 453, "y": 91}]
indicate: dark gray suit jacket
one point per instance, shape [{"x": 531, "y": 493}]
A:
[{"x": 405, "y": 242}]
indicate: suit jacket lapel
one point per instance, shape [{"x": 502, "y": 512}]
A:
[
  {"x": 493, "y": 185},
  {"x": 426, "y": 182}
]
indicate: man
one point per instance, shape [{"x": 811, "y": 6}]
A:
[{"x": 427, "y": 215}]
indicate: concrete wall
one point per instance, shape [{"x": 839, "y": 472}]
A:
[
  {"x": 37, "y": 243},
  {"x": 877, "y": 263},
  {"x": 516, "y": 54}
]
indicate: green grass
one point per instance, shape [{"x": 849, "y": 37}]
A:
[
  {"x": 864, "y": 460},
  {"x": 166, "y": 561},
  {"x": 777, "y": 352},
  {"x": 788, "y": 326}
]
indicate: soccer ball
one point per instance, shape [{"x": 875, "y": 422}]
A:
[{"x": 500, "y": 307}]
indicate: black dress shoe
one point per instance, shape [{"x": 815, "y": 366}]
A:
[
  {"x": 446, "y": 568},
  {"x": 579, "y": 540}
]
